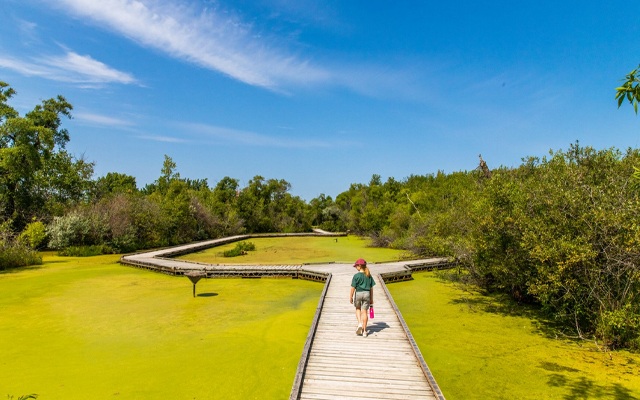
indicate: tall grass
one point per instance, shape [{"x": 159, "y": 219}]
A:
[{"x": 15, "y": 255}]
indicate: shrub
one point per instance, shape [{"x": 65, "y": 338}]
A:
[
  {"x": 34, "y": 235},
  {"x": 562, "y": 232},
  {"x": 76, "y": 229},
  {"x": 620, "y": 328},
  {"x": 240, "y": 249},
  {"x": 14, "y": 255},
  {"x": 86, "y": 251},
  {"x": 248, "y": 246}
]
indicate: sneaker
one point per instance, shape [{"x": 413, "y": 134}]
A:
[
  {"x": 359, "y": 331},
  {"x": 364, "y": 333}
]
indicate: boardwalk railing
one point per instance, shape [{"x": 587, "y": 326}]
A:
[
  {"x": 302, "y": 364},
  {"x": 406, "y": 274},
  {"x": 414, "y": 345}
]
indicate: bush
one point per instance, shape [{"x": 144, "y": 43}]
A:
[
  {"x": 76, "y": 229},
  {"x": 240, "y": 249},
  {"x": 562, "y": 232},
  {"x": 34, "y": 235},
  {"x": 620, "y": 328},
  {"x": 85, "y": 251},
  {"x": 14, "y": 255}
]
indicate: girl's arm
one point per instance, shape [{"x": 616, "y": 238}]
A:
[{"x": 351, "y": 294}]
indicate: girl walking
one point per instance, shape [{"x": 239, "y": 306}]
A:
[{"x": 361, "y": 295}]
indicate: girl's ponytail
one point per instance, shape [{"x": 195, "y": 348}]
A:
[{"x": 365, "y": 269}]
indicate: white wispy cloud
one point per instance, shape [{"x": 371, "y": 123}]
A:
[
  {"x": 251, "y": 138},
  {"x": 88, "y": 69},
  {"x": 70, "y": 67},
  {"x": 28, "y": 31},
  {"x": 103, "y": 120},
  {"x": 164, "y": 139},
  {"x": 221, "y": 40},
  {"x": 206, "y": 36}
]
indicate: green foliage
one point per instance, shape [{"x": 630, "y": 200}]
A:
[
  {"x": 562, "y": 232},
  {"x": 439, "y": 215},
  {"x": 630, "y": 90},
  {"x": 175, "y": 211},
  {"x": 77, "y": 228},
  {"x": 24, "y": 397},
  {"x": 620, "y": 328},
  {"x": 248, "y": 246},
  {"x": 13, "y": 253},
  {"x": 40, "y": 180},
  {"x": 34, "y": 235},
  {"x": 265, "y": 206},
  {"x": 114, "y": 183},
  {"x": 240, "y": 249},
  {"x": 37, "y": 176},
  {"x": 85, "y": 251}
]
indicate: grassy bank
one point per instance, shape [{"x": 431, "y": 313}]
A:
[
  {"x": 79, "y": 328},
  {"x": 482, "y": 347},
  {"x": 299, "y": 250}
]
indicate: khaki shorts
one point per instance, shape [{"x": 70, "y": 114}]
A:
[{"x": 361, "y": 300}]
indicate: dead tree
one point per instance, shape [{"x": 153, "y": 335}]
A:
[{"x": 483, "y": 167}]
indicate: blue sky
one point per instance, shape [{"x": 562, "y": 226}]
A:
[{"x": 323, "y": 94}]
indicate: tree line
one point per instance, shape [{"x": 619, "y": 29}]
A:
[{"x": 560, "y": 232}]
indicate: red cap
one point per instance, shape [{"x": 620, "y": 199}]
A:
[{"x": 360, "y": 261}]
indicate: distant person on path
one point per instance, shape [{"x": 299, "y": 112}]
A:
[{"x": 361, "y": 295}]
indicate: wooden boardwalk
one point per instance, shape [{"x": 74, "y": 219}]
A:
[
  {"x": 343, "y": 365},
  {"x": 336, "y": 363}
]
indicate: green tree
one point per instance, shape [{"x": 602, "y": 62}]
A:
[
  {"x": 266, "y": 206},
  {"x": 317, "y": 207},
  {"x": 223, "y": 204},
  {"x": 36, "y": 173},
  {"x": 562, "y": 232},
  {"x": 167, "y": 175},
  {"x": 112, "y": 183}
]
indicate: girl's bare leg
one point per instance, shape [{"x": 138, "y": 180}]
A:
[{"x": 364, "y": 318}]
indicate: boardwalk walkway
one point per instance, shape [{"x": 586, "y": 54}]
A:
[
  {"x": 336, "y": 363},
  {"x": 342, "y": 365}
]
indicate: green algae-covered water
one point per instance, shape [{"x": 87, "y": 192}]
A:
[
  {"x": 299, "y": 250},
  {"x": 482, "y": 347},
  {"x": 89, "y": 328}
]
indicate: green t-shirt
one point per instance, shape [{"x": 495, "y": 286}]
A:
[{"x": 362, "y": 283}]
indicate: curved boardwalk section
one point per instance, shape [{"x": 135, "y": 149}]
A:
[{"x": 336, "y": 363}]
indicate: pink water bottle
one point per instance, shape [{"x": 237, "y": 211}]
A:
[{"x": 371, "y": 312}]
